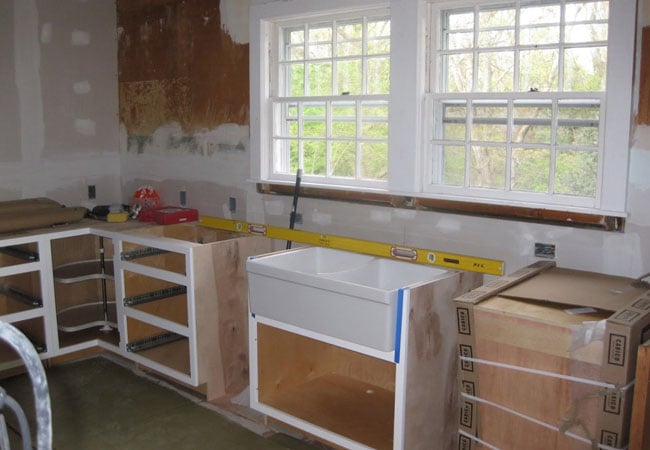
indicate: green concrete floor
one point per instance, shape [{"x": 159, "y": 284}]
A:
[{"x": 100, "y": 405}]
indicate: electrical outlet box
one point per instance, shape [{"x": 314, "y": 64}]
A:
[
  {"x": 92, "y": 192},
  {"x": 546, "y": 251},
  {"x": 232, "y": 204},
  {"x": 182, "y": 198}
]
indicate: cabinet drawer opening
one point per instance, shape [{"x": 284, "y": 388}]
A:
[
  {"x": 154, "y": 257},
  {"x": 21, "y": 292},
  {"x": 156, "y": 297},
  {"x": 13, "y": 255},
  {"x": 343, "y": 391},
  {"x": 158, "y": 345},
  {"x": 34, "y": 330}
]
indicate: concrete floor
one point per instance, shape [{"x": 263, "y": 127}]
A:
[{"x": 100, "y": 405}]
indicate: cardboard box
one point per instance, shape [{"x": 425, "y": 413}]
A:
[{"x": 552, "y": 321}]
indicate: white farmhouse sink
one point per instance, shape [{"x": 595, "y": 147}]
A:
[{"x": 340, "y": 294}]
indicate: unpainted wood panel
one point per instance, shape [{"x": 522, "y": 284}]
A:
[
  {"x": 644, "y": 89},
  {"x": 640, "y": 426}
]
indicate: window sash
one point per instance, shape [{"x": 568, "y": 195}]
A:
[
  {"x": 344, "y": 128},
  {"x": 507, "y": 146},
  {"x": 434, "y": 169},
  {"x": 305, "y": 125}
]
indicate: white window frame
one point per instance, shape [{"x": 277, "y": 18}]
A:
[
  {"x": 280, "y": 101},
  {"x": 407, "y": 132},
  {"x": 270, "y": 86},
  {"x": 611, "y": 190}
]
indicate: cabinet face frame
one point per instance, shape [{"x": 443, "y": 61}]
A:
[
  {"x": 186, "y": 250},
  {"x": 43, "y": 268}
]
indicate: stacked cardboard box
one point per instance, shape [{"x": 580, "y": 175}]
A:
[{"x": 546, "y": 359}]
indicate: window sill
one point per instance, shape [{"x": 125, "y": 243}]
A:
[{"x": 538, "y": 215}]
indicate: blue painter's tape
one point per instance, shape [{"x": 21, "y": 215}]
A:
[{"x": 398, "y": 324}]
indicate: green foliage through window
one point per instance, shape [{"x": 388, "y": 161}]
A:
[
  {"x": 343, "y": 133},
  {"x": 518, "y": 106}
]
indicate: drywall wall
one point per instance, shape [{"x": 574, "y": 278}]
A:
[
  {"x": 59, "y": 108},
  {"x": 180, "y": 135},
  {"x": 9, "y": 125},
  {"x": 183, "y": 95}
]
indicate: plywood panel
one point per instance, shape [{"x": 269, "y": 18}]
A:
[
  {"x": 432, "y": 387},
  {"x": 222, "y": 311},
  {"x": 640, "y": 427},
  {"x": 360, "y": 411},
  {"x": 324, "y": 385},
  {"x": 644, "y": 88}
]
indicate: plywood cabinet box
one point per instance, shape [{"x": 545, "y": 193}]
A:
[
  {"x": 176, "y": 296},
  {"x": 553, "y": 346},
  {"x": 336, "y": 383}
]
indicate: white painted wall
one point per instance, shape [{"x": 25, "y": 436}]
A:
[{"x": 59, "y": 106}]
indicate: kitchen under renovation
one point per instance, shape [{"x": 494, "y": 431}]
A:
[{"x": 305, "y": 224}]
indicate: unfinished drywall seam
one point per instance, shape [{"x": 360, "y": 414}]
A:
[{"x": 27, "y": 65}]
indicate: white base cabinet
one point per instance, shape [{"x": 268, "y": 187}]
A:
[
  {"x": 358, "y": 397},
  {"x": 171, "y": 298}
]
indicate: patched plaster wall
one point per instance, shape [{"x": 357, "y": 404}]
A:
[
  {"x": 59, "y": 124},
  {"x": 183, "y": 90}
]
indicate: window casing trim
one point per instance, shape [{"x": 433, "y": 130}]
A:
[{"x": 408, "y": 85}]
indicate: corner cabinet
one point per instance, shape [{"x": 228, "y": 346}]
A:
[
  {"x": 170, "y": 298},
  {"x": 84, "y": 292}
]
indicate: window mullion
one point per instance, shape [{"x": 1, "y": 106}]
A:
[
  {"x": 359, "y": 134},
  {"x": 301, "y": 149},
  {"x": 364, "y": 56},
  {"x": 305, "y": 71},
  {"x": 509, "y": 143},
  {"x": 555, "y": 115},
  {"x": 328, "y": 139},
  {"x": 468, "y": 142},
  {"x": 475, "y": 50},
  {"x": 334, "y": 60}
]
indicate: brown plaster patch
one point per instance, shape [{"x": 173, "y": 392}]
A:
[
  {"x": 146, "y": 105},
  {"x": 177, "y": 64}
]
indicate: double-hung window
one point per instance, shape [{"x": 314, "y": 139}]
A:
[
  {"x": 328, "y": 102},
  {"x": 517, "y": 102},
  {"x": 511, "y": 102}
]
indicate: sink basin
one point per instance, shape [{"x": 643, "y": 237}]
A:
[{"x": 337, "y": 293}]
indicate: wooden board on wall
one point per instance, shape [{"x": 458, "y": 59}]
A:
[{"x": 432, "y": 386}]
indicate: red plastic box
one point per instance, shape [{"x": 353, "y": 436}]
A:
[{"x": 168, "y": 215}]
